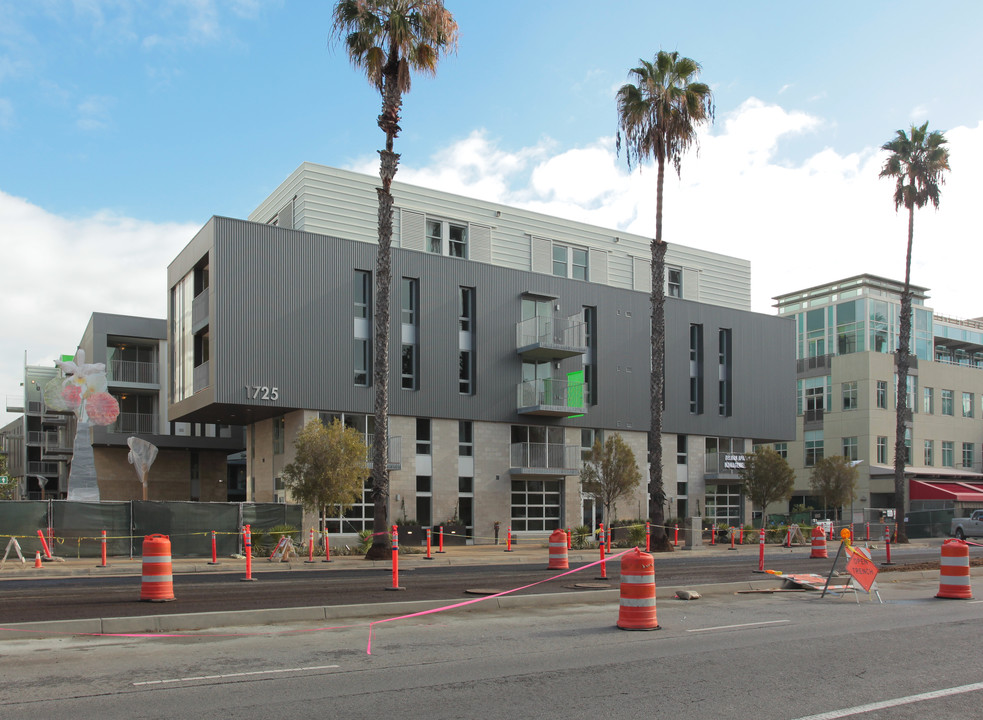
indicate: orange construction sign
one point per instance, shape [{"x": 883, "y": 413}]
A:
[{"x": 862, "y": 570}]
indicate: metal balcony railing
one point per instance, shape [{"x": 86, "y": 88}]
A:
[
  {"x": 199, "y": 309},
  {"x": 56, "y": 444},
  {"x": 135, "y": 423},
  {"x": 133, "y": 371},
  {"x": 42, "y": 468},
  {"x": 544, "y": 456},
  {"x": 395, "y": 460}
]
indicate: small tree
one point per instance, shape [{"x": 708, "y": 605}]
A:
[
  {"x": 610, "y": 472},
  {"x": 7, "y": 491},
  {"x": 767, "y": 478},
  {"x": 329, "y": 467},
  {"x": 834, "y": 479}
]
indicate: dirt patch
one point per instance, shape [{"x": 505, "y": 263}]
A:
[{"x": 924, "y": 566}]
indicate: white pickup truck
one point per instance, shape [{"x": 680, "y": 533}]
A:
[{"x": 968, "y": 527}]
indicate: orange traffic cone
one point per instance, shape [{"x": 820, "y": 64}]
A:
[{"x": 37, "y": 559}]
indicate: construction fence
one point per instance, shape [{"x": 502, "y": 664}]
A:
[{"x": 76, "y": 527}]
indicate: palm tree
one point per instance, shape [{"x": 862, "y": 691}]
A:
[
  {"x": 388, "y": 39},
  {"x": 917, "y": 161},
  {"x": 659, "y": 116}
]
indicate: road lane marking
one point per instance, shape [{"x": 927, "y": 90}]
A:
[
  {"x": 235, "y": 675},
  {"x": 742, "y": 625},
  {"x": 933, "y": 695}
]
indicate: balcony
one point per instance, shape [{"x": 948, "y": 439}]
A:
[
  {"x": 15, "y": 403},
  {"x": 544, "y": 459},
  {"x": 34, "y": 438},
  {"x": 551, "y": 338},
  {"x": 813, "y": 418},
  {"x": 551, "y": 397},
  {"x": 132, "y": 371},
  {"x": 56, "y": 446},
  {"x": 42, "y": 468},
  {"x": 199, "y": 311},
  {"x": 395, "y": 461},
  {"x": 725, "y": 464},
  {"x": 130, "y": 423},
  {"x": 200, "y": 377},
  {"x": 817, "y": 362}
]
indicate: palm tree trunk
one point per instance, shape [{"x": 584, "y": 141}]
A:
[
  {"x": 389, "y": 160},
  {"x": 901, "y": 401},
  {"x": 657, "y": 495}
]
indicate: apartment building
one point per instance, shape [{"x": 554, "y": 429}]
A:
[
  {"x": 846, "y": 334},
  {"x": 193, "y": 459},
  {"x": 516, "y": 339}
]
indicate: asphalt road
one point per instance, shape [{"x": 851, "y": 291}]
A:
[
  {"x": 767, "y": 657},
  {"x": 30, "y": 599}
]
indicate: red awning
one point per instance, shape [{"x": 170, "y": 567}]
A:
[{"x": 946, "y": 490}]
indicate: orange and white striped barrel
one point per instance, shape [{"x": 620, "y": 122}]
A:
[
  {"x": 818, "y": 543},
  {"x": 954, "y": 571},
  {"x": 158, "y": 580},
  {"x": 558, "y": 551},
  {"x": 637, "y": 610}
]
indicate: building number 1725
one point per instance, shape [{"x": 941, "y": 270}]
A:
[{"x": 262, "y": 392}]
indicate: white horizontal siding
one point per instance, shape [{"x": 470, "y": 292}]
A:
[{"x": 342, "y": 203}]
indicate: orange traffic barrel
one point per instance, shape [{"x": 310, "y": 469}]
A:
[
  {"x": 637, "y": 611},
  {"x": 158, "y": 581},
  {"x": 818, "y": 543},
  {"x": 558, "y": 551},
  {"x": 954, "y": 571}
]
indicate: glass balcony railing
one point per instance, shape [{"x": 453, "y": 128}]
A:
[
  {"x": 551, "y": 396},
  {"x": 135, "y": 423},
  {"x": 552, "y": 337}
]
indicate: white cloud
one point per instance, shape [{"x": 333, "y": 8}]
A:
[
  {"x": 60, "y": 270},
  {"x": 93, "y": 112}
]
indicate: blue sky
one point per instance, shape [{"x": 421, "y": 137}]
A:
[{"x": 125, "y": 124}]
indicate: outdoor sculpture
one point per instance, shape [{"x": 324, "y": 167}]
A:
[
  {"x": 82, "y": 390},
  {"x": 141, "y": 456}
]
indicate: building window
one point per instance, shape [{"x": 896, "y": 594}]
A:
[
  {"x": 782, "y": 449},
  {"x": 948, "y": 402},
  {"x": 680, "y": 449},
  {"x": 813, "y": 447},
  {"x": 724, "y": 504},
  {"x": 535, "y": 504},
  {"x": 570, "y": 262},
  {"x": 724, "y": 371},
  {"x": 446, "y": 238},
  {"x": 279, "y": 435},
  {"x": 674, "y": 285},
  {"x": 357, "y": 517},
  {"x": 696, "y": 369},
  {"x": 851, "y": 450},
  {"x": 465, "y": 438},
  {"x": 907, "y": 446},
  {"x": 882, "y": 449},
  {"x": 410, "y": 317},
  {"x": 465, "y": 321},
  {"x": 967, "y": 455},
  {"x": 817, "y": 392},
  {"x": 465, "y": 503},
  {"x": 928, "y": 400},
  {"x": 423, "y": 438},
  {"x": 590, "y": 357},
  {"x": 948, "y": 453},
  {"x": 882, "y": 394},
  {"x": 929, "y": 453},
  {"x": 362, "y": 294},
  {"x": 424, "y": 500},
  {"x": 361, "y": 343},
  {"x": 968, "y": 404},
  {"x": 360, "y": 361},
  {"x": 850, "y": 395}
]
